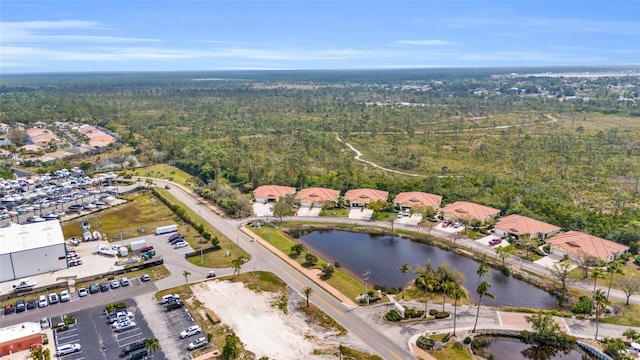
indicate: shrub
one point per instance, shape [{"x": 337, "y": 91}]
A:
[
  {"x": 393, "y": 315},
  {"x": 425, "y": 343},
  {"x": 446, "y": 338},
  {"x": 433, "y": 312},
  {"x": 582, "y": 306},
  {"x": 458, "y": 346},
  {"x": 468, "y": 340},
  {"x": 336, "y": 264},
  {"x": 441, "y": 315},
  {"x": 505, "y": 270},
  {"x": 411, "y": 313}
]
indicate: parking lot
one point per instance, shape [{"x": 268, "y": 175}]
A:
[
  {"x": 167, "y": 326},
  {"x": 96, "y": 336}
]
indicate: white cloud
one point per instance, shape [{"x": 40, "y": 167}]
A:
[{"x": 426, "y": 42}]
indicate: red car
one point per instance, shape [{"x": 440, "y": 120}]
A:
[
  {"x": 145, "y": 249},
  {"x": 8, "y": 309},
  {"x": 495, "y": 241},
  {"x": 446, "y": 223}
]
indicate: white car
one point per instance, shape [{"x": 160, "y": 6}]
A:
[
  {"x": 190, "y": 331},
  {"x": 198, "y": 343},
  {"x": 43, "y": 302},
  {"x": 115, "y": 284},
  {"x": 179, "y": 245},
  {"x": 68, "y": 349},
  {"x": 82, "y": 292},
  {"x": 125, "y": 281},
  {"x": 64, "y": 296},
  {"x": 167, "y": 298},
  {"x": 124, "y": 326},
  {"x": 53, "y": 298}
]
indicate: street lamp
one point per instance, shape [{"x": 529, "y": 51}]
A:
[{"x": 365, "y": 277}]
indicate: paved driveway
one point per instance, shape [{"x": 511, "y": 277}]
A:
[
  {"x": 306, "y": 211},
  {"x": 262, "y": 209},
  {"x": 360, "y": 214}
]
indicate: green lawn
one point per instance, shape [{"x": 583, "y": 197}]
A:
[
  {"x": 344, "y": 283},
  {"x": 629, "y": 317},
  {"x": 163, "y": 171},
  {"x": 142, "y": 209},
  {"x": 339, "y": 213}
]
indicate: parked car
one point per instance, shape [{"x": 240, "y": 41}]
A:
[
  {"x": 145, "y": 249},
  {"x": 190, "y": 331},
  {"x": 68, "y": 349},
  {"x": 20, "y": 306},
  {"x": 8, "y": 309},
  {"x": 173, "y": 236},
  {"x": 167, "y": 187},
  {"x": 136, "y": 354},
  {"x": 145, "y": 277},
  {"x": 457, "y": 224},
  {"x": 175, "y": 304},
  {"x": 31, "y": 304},
  {"x": 115, "y": 284},
  {"x": 82, "y": 292},
  {"x": 167, "y": 298},
  {"x": 211, "y": 274},
  {"x": 176, "y": 240},
  {"x": 446, "y": 223},
  {"x": 198, "y": 343},
  {"x": 93, "y": 288},
  {"x": 43, "y": 302},
  {"x": 140, "y": 344},
  {"x": 64, "y": 296},
  {"x": 495, "y": 241},
  {"x": 104, "y": 287},
  {"x": 53, "y": 298},
  {"x": 125, "y": 281},
  {"x": 180, "y": 244},
  {"x": 125, "y": 326}
]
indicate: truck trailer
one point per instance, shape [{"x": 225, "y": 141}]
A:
[{"x": 166, "y": 229}]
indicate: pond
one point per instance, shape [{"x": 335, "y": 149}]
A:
[
  {"x": 514, "y": 349},
  {"x": 382, "y": 255}
]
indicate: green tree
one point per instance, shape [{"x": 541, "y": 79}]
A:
[
  {"x": 483, "y": 269},
  {"x": 404, "y": 269},
  {"x": 284, "y": 206},
  {"x": 151, "y": 345},
  {"x": 215, "y": 242},
  {"x": 186, "y": 275},
  {"x": 457, "y": 294},
  {"x": 327, "y": 271},
  {"x": 297, "y": 249},
  {"x": 237, "y": 264},
  {"x": 561, "y": 272},
  {"x": 600, "y": 304},
  {"x": 629, "y": 285},
  {"x": 502, "y": 253},
  {"x": 483, "y": 291},
  {"x": 231, "y": 350},
  {"x": 631, "y": 334},
  {"x": 307, "y": 292},
  {"x": 612, "y": 267},
  {"x": 546, "y": 332},
  {"x": 596, "y": 273},
  {"x": 616, "y": 348},
  {"x": 310, "y": 259},
  {"x": 426, "y": 282}
]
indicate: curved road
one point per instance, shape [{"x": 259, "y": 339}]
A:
[{"x": 265, "y": 260}]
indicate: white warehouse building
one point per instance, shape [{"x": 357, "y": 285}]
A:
[{"x": 31, "y": 249}]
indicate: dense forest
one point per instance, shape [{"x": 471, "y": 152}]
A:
[{"x": 563, "y": 149}]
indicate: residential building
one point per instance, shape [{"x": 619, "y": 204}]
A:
[
  {"x": 468, "y": 212},
  {"x": 362, "y": 197},
  {"x": 575, "y": 244},
  {"x": 412, "y": 199},
  {"x": 271, "y": 193},
  {"x": 516, "y": 225},
  {"x": 317, "y": 197}
]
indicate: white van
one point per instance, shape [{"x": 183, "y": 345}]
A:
[{"x": 167, "y": 298}]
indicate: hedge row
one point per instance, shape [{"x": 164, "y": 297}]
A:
[{"x": 182, "y": 213}]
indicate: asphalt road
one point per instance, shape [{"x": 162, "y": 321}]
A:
[{"x": 262, "y": 259}]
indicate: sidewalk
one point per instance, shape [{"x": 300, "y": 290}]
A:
[{"x": 309, "y": 273}]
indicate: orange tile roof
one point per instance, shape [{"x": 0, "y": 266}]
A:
[
  {"x": 470, "y": 211},
  {"x": 365, "y": 196},
  {"x": 416, "y": 198},
  {"x": 318, "y": 194},
  {"x": 518, "y": 224},
  {"x": 273, "y": 191},
  {"x": 577, "y": 242}
]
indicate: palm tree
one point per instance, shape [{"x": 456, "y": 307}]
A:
[
  {"x": 502, "y": 254},
  {"x": 404, "y": 269},
  {"x": 186, "y": 275},
  {"x": 237, "y": 264},
  {"x": 600, "y": 301},
  {"x": 151, "y": 345},
  {"x": 307, "y": 291},
  {"x": 595, "y": 274},
  {"x": 483, "y": 269},
  {"x": 613, "y": 267},
  {"x": 427, "y": 284},
  {"x": 447, "y": 287},
  {"x": 483, "y": 291},
  {"x": 457, "y": 294}
]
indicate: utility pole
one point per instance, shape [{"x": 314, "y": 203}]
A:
[{"x": 365, "y": 277}]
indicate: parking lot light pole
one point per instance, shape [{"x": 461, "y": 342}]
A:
[{"x": 365, "y": 276}]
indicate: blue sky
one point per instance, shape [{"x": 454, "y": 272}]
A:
[{"x": 150, "y": 35}]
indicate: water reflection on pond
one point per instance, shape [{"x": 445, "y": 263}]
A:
[
  {"x": 514, "y": 349},
  {"x": 382, "y": 255}
]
